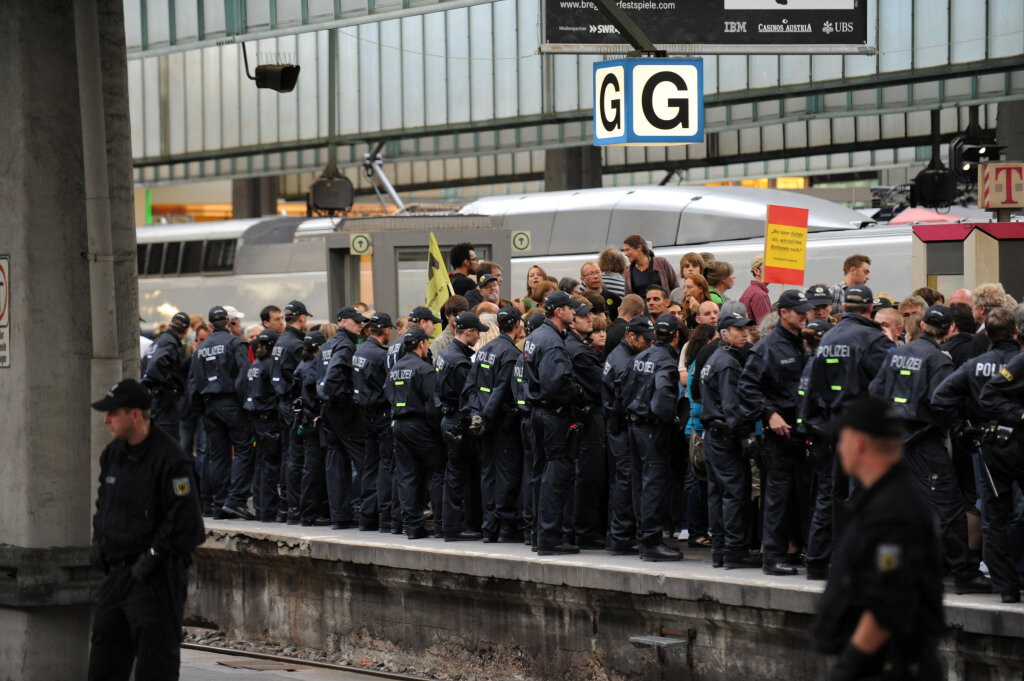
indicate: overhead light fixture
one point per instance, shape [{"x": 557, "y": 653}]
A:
[{"x": 278, "y": 77}]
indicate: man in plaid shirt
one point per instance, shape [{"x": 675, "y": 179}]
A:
[{"x": 856, "y": 271}]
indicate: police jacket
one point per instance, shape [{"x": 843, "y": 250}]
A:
[
  {"x": 888, "y": 561},
  {"x": 958, "y": 347},
  {"x": 452, "y": 369},
  {"x": 1002, "y": 398},
  {"x": 654, "y": 384},
  {"x": 305, "y": 379},
  {"x": 808, "y": 412},
  {"x": 548, "y": 368},
  {"x": 488, "y": 390},
  {"x": 770, "y": 380},
  {"x": 287, "y": 354},
  {"x": 719, "y": 380},
  {"x": 519, "y": 385},
  {"x": 959, "y": 393},
  {"x": 616, "y": 369},
  {"x": 397, "y": 351},
  {"x": 336, "y": 386},
  {"x": 161, "y": 365},
  {"x": 260, "y": 395},
  {"x": 147, "y": 500},
  {"x": 219, "y": 366},
  {"x": 586, "y": 368},
  {"x": 850, "y": 353},
  {"x": 909, "y": 377},
  {"x": 323, "y": 358},
  {"x": 410, "y": 389},
  {"x": 369, "y": 372}
]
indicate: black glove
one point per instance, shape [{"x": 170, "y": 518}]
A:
[
  {"x": 96, "y": 558},
  {"x": 852, "y": 664},
  {"x": 145, "y": 566}
]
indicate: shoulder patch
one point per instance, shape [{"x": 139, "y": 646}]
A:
[
  {"x": 181, "y": 486},
  {"x": 888, "y": 557},
  {"x": 1005, "y": 373}
]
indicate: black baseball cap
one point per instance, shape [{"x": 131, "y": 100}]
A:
[
  {"x": 882, "y": 303},
  {"x": 795, "y": 300},
  {"x": 581, "y": 308},
  {"x": 859, "y": 293},
  {"x": 939, "y": 316},
  {"x": 422, "y": 313},
  {"x": 380, "y": 320},
  {"x": 872, "y": 416},
  {"x": 733, "y": 319},
  {"x": 128, "y": 393},
  {"x": 268, "y": 337},
  {"x": 509, "y": 314},
  {"x": 485, "y": 279},
  {"x": 642, "y": 326},
  {"x": 557, "y": 299},
  {"x": 217, "y": 314},
  {"x": 667, "y": 323},
  {"x": 314, "y": 339},
  {"x": 295, "y": 308},
  {"x": 469, "y": 320},
  {"x": 819, "y": 326},
  {"x": 819, "y": 295},
  {"x": 534, "y": 322},
  {"x": 414, "y": 337},
  {"x": 349, "y": 312},
  {"x": 180, "y": 321}
]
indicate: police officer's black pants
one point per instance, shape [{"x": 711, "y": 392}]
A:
[
  {"x": 293, "y": 471},
  {"x": 139, "y": 622},
  {"x": 457, "y": 476},
  {"x": 419, "y": 459},
  {"x": 786, "y": 493},
  {"x": 653, "y": 443},
  {"x": 345, "y": 440},
  {"x": 621, "y": 519},
  {"x": 531, "y": 476},
  {"x": 818, "y": 553},
  {"x": 507, "y": 445},
  {"x": 1005, "y": 468},
  {"x": 589, "y": 504},
  {"x": 266, "y": 497},
  {"x": 227, "y": 427},
  {"x": 551, "y": 436},
  {"x": 728, "y": 493},
  {"x": 490, "y": 451},
  {"x": 164, "y": 412},
  {"x": 313, "y": 487},
  {"x": 932, "y": 467},
  {"x": 376, "y": 478}
]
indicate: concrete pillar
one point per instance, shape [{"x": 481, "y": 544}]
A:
[
  {"x": 981, "y": 259},
  {"x": 572, "y": 168},
  {"x": 48, "y": 479},
  {"x": 254, "y": 197},
  {"x": 1009, "y": 131},
  {"x": 918, "y": 263}
]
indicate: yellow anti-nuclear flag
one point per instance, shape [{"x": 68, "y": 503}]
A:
[{"x": 439, "y": 287}]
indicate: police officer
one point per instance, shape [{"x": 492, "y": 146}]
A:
[
  {"x": 261, "y": 403},
  {"x": 490, "y": 405},
  {"x": 287, "y": 355},
  {"x": 216, "y": 385},
  {"x": 146, "y": 524},
  {"x": 960, "y": 396},
  {"x": 768, "y": 393},
  {"x": 551, "y": 391},
  {"x": 369, "y": 373},
  {"x": 461, "y": 448},
  {"x": 421, "y": 317},
  {"x": 907, "y": 379},
  {"x": 313, "y": 508},
  {"x": 419, "y": 458},
  {"x": 622, "y": 518},
  {"x": 882, "y": 607},
  {"x": 163, "y": 374},
  {"x": 655, "y": 422},
  {"x": 728, "y": 467},
  {"x": 588, "y": 503},
  {"x": 533, "y": 460}
]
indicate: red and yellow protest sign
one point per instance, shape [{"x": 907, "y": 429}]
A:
[{"x": 785, "y": 245}]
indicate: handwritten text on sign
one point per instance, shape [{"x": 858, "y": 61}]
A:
[{"x": 785, "y": 245}]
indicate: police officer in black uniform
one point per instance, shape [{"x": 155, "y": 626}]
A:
[
  {"x": 882, "y": 607},
  {"x": 147, "y": 522},
  {"x": 622, "y": 517},
  {"x": 551, "y": 391},
  {"x": 287, "y": 355},
  {"x": 313, "y": 508},
  {"x": 490, "y": 404},
  {"x": 216, "y": 385},
  {"x": 419, "y": 457},
  {"x": 959, "y": 397},
  {"x": 533, "y": 460},
  {"x": 461, "y": 447},
  {"x": 163, "y": 374},
  {"x": 421, "y": 317},
  {"x": 655, "y": 423},
  {"x": 369, "y": 373},
  {"x": 907, "y": 379},
  {"x": 262, "y": 466},
  {"x": 768, "y": 393},
  {"x": 728, "y": 465}
]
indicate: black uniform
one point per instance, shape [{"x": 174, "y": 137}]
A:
[
  {"x": 461, "y": 447},
  {"x": 489, "y": 394},
  {"x": 217, "y": 384},
  {"x": 811, "y": 422},
  {"x": 313, "y": 487},
  {"x": 369, "y": 374},
  {"x": 163, "y": 374},
  {"x": 287, "y": 355},
  {"x": 769, "y": 384},
  {"x": 147, "y": 522},
  {"x": 348, "y": 442},
  {"x": 958, "y": 347},
  {"x": 622, "y": 517},
  {"x": 533, "y": 463},
  {"x": 551, "y": 391},
  {"x": 419, "y": 457},
  {"x": 888, "y": 563},
  {"x": 261, "y": 474},
  {"x": 589, "y": 509}
]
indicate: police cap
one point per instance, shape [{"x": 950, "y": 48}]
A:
[
  {"x": 882, "y": 303},
  {"x": 217, "y": 314},
  {"x": 795, "y": 300},
  {"x": 733, "y": 319},
  {"x": 180, "y": 322},
  {"x": 422, "y": 313},
  {"x": 871, "y": 416},
  {"x": 414, "y": 337},
  {"x": 486, "y": 279},
  {"x": 819, "y": 326},
  {"x": 349, "y": 312},
  {"x": 819, "y": 295},
  {"x": 938, "y": 316},
  {"x": 641, "y": 326},
  {"x": 380, "y": 321},
  {"x": 509, "y": 314},
  {"x": 859, "y": 293},
  {"x": 667, "y": 323},
  {"x": 268, "y": 337},
  {"x": 128, "y": 393},
  {"x": 295, "y": 308},
  {"x": 557, "y": 299},
  {"x": 469, "y": 320},
  {"x": 314, "y": 339},
  {"x": 581, "y": 308},
  {"x": 534, "y": 322}
]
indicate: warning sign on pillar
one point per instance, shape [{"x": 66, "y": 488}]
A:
[
  {"x": 1001, "y": 185},
  {"x": 5, "y": 312}
]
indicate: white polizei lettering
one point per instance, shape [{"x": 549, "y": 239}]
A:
[
  {"x": 905, "y": 362},
  {"x": 834, "y": 351},
  {"x": 987, "y": 369},
  {"x": 210, "y": 351},
  {"x": 358, "y": 362},
  {"x": 642, "y": 367},
  {"x": 529, "y": 347}
]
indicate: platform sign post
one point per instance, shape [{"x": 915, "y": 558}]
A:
[
  {"x": 1001, "y": 185},
  {"x": 785, "y": 245},
  {"x": 5, "y": 312}
]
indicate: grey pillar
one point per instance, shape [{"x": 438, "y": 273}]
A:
[
  {"x": 254, "y": 197},
  {"x": 48, "y": 480},
  {"x": 1008, "y": 129},
  {"x": 572, "y": 168}
]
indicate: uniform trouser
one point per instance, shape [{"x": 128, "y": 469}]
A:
[
  {"x": 375, "y": 493},
  {"x": 164, "y": 412},
  {"x": 931, "y": 466},
  {"x": 419, "y": 459},
  {"x": 589, "y": 509},
  {"x": 621, "y": 518},
  {"x": 785, "y": 490},
  {"x": 267, "y": 467},
  {"x": 460, "y": 449},
  {"x": 294, "y": 465},
  {"x": 226, "y": 426},
  {"x": 531, "y": 475},
  {"x": 507, "y": 446},
  {"x": 652, "y": 442},
  {"x": 313, "y": 487},
  {"x": 192, "y": 435},
  {"x": 696, "y": 499},
  {"x": 997, "y": 501},
  {"x": 490, "y": 448},
  {"x": 345, "y": 447},
  {"x": 552, "y": 434},
  {"x": 818, "y": 552},
  {"x": 728, "y": 493},
  {"x": 139, "y": 622}
]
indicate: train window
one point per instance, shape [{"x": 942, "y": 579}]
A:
[
  {"x": 141, "y": 249},
  {"x": 171, "y": 258},
  {"x": 192, "y": 257},
  {"x": 156, "y": 259},
  {"x": 219, "y": 256}
]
